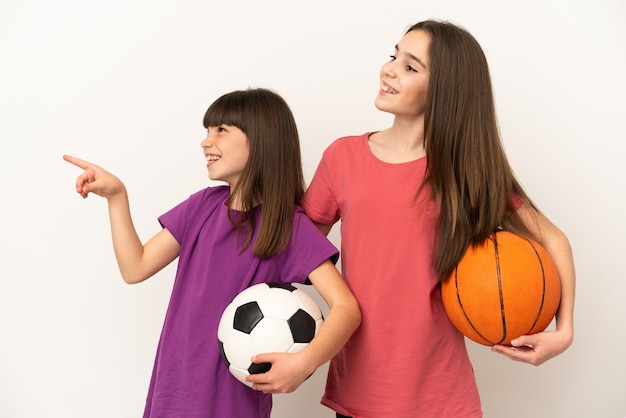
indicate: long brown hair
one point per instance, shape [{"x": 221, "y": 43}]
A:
[
  {"x": 273, "y": 174},
  {"x": 467, "y": 169}
]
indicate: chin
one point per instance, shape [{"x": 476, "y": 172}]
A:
[
  {"x": 380, "y": 103},
  {"x": 384, "y": 108}
]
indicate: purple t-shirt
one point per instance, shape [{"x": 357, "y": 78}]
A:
[{"x": 189, "y": 378}]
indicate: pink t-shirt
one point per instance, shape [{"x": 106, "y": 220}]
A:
[{"x": 406, "y": 359}]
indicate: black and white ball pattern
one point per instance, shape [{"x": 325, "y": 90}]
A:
[{"x": 266, "y": 318}]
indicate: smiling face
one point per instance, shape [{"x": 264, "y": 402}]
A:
[
  {"x": 226, "y": 151},
  {"x": 404, "y": 79}
]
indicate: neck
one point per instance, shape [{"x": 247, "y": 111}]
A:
[{"x": 398, "y": 144}]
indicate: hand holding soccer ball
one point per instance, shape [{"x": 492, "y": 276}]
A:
[{"x": 266, "y": 318}]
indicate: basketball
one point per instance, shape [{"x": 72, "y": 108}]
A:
[{"x": 502, "y": 289}]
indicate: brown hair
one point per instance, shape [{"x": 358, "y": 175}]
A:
[
  {"x": 273, "y": 174},
  {"x": 467, "y": 169}
]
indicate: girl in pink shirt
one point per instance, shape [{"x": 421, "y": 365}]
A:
[{"x": 411, "y": 198}]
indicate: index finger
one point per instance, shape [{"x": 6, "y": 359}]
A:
[{"x": 77, "y": 162}]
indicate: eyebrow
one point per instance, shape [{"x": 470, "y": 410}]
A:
[{"x": 413, "y": 57}]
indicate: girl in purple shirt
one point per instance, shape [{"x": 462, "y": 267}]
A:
[{"x": 228, "y": 238}]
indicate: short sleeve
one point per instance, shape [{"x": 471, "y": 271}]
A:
[
  {"x": 319, "y": 201},
  {"x": 307, "y": 249},
  {"x": 198, "y": 206},
  {"x": 174, "y": 220}
]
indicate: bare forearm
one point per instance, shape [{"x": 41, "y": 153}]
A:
[
  {"x": 136, "y": 261},
  {"x": 126, "y": 243},
  {"x": 561, "y": 252},
  {"x": 340, "y": 323}
]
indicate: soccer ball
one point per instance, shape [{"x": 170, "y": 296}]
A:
[{"x": 266, "y": 318}]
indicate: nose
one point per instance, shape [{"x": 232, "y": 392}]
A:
[
  {"x": 207, "y": 141},
  {"x": 388, "y": 69}
]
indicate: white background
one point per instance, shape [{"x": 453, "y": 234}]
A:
[{"x": 126, "y": 83}]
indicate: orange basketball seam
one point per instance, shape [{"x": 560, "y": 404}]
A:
[
  {"x": 500, "y": 294},
  {"x": 458, "y": 297},
  {"x": 543, "y": 278}
]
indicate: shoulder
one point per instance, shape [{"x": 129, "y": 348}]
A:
[
  {"x": 211, "y": 193},
  {"x": 303, "y": 225},
  {"x": 306, "y": 232},
  {"x": 346, "y": 146},
  {"x": 209, "y": 196},
  {"x": 347, "y": 142},
  {"x": 300, "y": 217}
]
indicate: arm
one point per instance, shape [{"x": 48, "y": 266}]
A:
[
  {"x": 290, "y": 370},
  {"x": 539, "y": 348},
  {"x": 136, "y": 261}
]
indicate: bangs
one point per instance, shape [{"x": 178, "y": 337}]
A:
[{"x": 227, "y": 110}]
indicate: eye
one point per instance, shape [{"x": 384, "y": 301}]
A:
[
  {"x": 411, "y": 69},
  {"x": 393, "y": 57},
  {"x": 221, "y": 129}
]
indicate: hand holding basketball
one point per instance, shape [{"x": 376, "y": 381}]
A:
[{"x": 534, "y": 349}]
